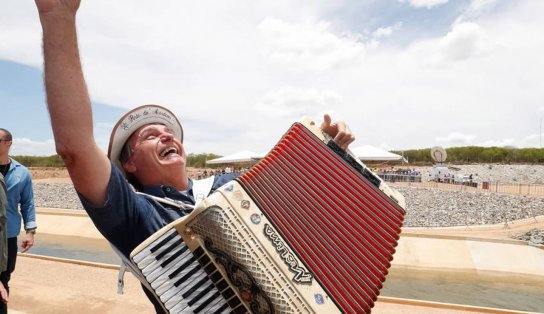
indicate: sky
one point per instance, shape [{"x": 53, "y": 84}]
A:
[{"x": 404, "y": 74}]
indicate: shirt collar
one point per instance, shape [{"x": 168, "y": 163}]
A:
[{"x": 168, "y": 191}]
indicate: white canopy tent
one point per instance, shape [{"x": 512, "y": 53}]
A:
[
  {"x": 372, "y": 153},
  {"x": 364, "y": 153},
  {"x": 240, "y": 157}
]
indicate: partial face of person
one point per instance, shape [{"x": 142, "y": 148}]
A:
[
  {"x": 155, "y": 151},
  {"x": 5, "y": 144}
]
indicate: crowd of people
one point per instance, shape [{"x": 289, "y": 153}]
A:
[
  {"x": 393, "y": 174},
  {"x": 452, "y": 178},
  {"x": 206, "y": 173}
]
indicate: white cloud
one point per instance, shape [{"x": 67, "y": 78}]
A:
[
  {"x": 28, "y": 147},
  {"x": 293, "y": 103},
  {"x": 508, "y": 142},
  {"x": 465, "y": 41},
  {"x": 386, "y": 31},
  {"x": 424, "y": 3},
  {"x": 476, "y": 9},
  {"x": 309, "y": 45},
  {"x": 237, "y": 74},
  {"x": 532, "y": 140},
  {"x": 456, "y": 139}
]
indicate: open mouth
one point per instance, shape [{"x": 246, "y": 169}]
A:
[{"x": 169, "y": 151}]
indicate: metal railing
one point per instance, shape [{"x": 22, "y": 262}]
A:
[
  {"x": 489, "y": 187},
  {"x": 394, "y": 177}
]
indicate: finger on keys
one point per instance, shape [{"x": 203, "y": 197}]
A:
[{"x": 344, "y": 136}]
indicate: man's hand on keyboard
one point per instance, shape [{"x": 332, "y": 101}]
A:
[{"x": 339, "y": 131}]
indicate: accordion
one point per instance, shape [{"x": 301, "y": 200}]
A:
[{"x": 308, "y": 229}]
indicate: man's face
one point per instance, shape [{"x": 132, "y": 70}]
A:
[
  {"x": 5, "y": 145},
  {"x": 157, "y": 156}
]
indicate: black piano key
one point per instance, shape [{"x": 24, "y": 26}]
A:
[
  {"x": 163, "y": 242},
  {"x": 195, "y": 286},
  {"x": 188, "y": 275},
  {"x": 227, "y": 294},
  {"x": 221, "y": 309},
  {"x": 234, "y": 302},
  {"x": 210, "y": 268},
  {"x": 175, "y": 294},
  {"x": 216, "y": 305},
  {"x": 199, "y": 296},
  {"x": 221, "y": 285},
  {"x": 204, "y": 260},
  {"x": 240, "y": 310},
  {"x": 174, "y": 256},
  {"x": 207, "y": 302},
  {"x": 198, "y": 252},
  {"x": 189, "y": 262},
  {"x": 169, "y": 249},
  {"x": 216, "y": 276}
]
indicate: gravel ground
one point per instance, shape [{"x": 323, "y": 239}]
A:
[
  {"x": 534, "y": 236},
  {"x": 505, "y": 174},
  {"x": 445, "y": 208},
  {"x": 425, "y": 207},
  {"x": 56, "y": 195}
]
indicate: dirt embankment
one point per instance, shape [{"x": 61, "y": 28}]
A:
[{"x": 49, "y": 174}]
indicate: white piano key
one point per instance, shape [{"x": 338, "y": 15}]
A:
[
  {"x": 159, "y": 279},
  {"x": 175, "y": 265},
  {"x": 169, "y": 282},
  {"x": 181, "y": 308},
  {"x": 227, "y": 310},
  {"x": 214, "y": 305},
  {"x": 138, "y": 257},
  {"x": 159, "y": 271},
  {"x": 176, "y": 301},
  {"x": 204, "y": 298},
  {"x": 152, "y": 257},
  {"x": 154, "y": 265},
  {"x": 181, "y": 289}
]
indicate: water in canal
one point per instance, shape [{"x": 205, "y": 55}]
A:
[{"x": 489, "y": 290}]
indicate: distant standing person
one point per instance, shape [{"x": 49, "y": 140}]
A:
[
  {"x": 3, "y": 236},
  {"x": 19, "y": 193}
]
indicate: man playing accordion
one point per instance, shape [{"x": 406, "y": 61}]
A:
[{"x": 146, "y": 146}]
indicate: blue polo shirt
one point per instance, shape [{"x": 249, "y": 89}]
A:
[{"x": 127, "y": 218}]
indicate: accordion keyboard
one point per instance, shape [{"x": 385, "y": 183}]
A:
[{"x": 185, "y": 281}]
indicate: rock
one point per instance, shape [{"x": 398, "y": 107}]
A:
[{"x": 533, "y": 237}]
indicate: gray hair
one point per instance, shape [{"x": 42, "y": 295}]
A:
[{"x": 7, "y": 136}]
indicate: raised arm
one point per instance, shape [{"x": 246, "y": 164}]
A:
[{"x": 68, "y": 100}]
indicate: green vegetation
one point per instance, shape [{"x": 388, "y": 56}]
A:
[
  {"x": 199, "y": 160},
  {"x": 193, "y": 160},
  {"x": 40, "y": 161},
  {"x": 476, "y": 154},
  {"x": 456, "y": 155}
]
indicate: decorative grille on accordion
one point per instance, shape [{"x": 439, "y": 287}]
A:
[{"x": 309, "y": 229}]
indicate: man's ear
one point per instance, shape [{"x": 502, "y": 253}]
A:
[{"x": 129, "y": 166}]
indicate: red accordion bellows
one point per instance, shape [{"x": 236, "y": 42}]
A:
[{"x": 340, "y": 225}]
